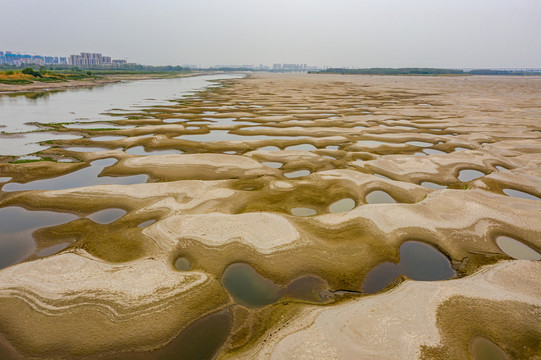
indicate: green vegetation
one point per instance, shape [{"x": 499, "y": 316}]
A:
[
  {"x": 503, "y": 72},
  {"x": 124, "y": 69},
  {"x": 28, "y": 75},
  {"x": 20, "y": 161},
  {"x": 15, "y": 81},
  {"x": 30, "y": 71}
]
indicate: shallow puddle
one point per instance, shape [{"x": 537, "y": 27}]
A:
[
  {"x": 418, "y": 261},
  {"x": 4, "y": 179},
  {"x": 379, "y": 197},
  {"x": 382, "y": 176},
  {"x": 227, "y": 121},
  {"x": 140, "y": 151},
  {"x": 94, "y": 126},
  {"x": 484, "y": 349},
  {"x": 431, "y": 185},
  {"x": 225, "y": 135},
  {"x": 146, "y": 223},
  {"x": 520, "y": 194},
  {"x": 296, "y": 174},
  {"x": 332, "y": 147},
  {"x": 302, "y": 147},
  {"x": 52, "y": 249},
  {"x": 88, "y": 149},
  {"x": 273, "y": 164},
  {"x": 27, "y": 143},
  {"x": 373, "y": 143},
  {"x": 458, "y": 148},
  {"x": 201, "y": 340},
  {"x": 16, "y": 227},
  {"x": 169, "y": 121},
  {"x": 419, "y": 143},
  {"x": 516, "y": 249},
  {"x": 343, "y": 205},
  {"x": 182, "y": 264},
  {"x": 107, "y": 216},
  {"x": 302, "y": 211},
  {"x": 249, "y": 288},
  {"x": 469, "y": 175},
  {"x": 307, "y": 288},
  {"x": 433, "y": 152},
  {"x": 85, "y": 177},
  {"x": 269, "y": 148}
]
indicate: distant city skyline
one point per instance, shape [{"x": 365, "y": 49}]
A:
[
  {"x": 84, "y": 59},
  {"x": 88, "y": 59},
  {"x": 338, "y": 33}
]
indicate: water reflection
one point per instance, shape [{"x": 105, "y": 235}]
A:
[
  {"x": 419, "y": 143},
  {"x": 18, "y": 144},
  {"x": 379, "y": 197},
  {"x": 182, "y": 264},
  {"x": 418, "y": 261},
  {"x": 106, "y": 216},
  {"x": 146, "y": 223},
  {"x": 273, "y": 164},
  {"x": 296, "y": 174},
  {"x": 302, "y": 211},
  {"x": 484, "y": 349},
  {"x": 201, "y": 340},
  {"x": 16, "y": 227},
  {"x": 19, "y": 112},
  {"x": 516, "y": 249},
  {"x": 140, "y": 151},
  {"x": 225, "y": 135},
  {"x": 343, "y": 205},
  {"x": 469, "y": 175},
  {"x": 249, "y": 288},
  {"x": 85, "y": 177},
  {"x": 520, "y": 194},
  {"x": 301, "y": 147},
  {"x": 431, "y": 185}
]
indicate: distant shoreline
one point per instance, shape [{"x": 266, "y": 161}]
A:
[
  {"x": 73, "y": 84},
  {"x": 425, "y": 72}
]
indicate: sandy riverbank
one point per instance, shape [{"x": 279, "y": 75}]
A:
[
  {"x": 244, "y": 156},
  {"x": 72, "y": 84}
]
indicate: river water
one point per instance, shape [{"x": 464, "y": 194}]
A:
[{"x": 20, "y": 112}]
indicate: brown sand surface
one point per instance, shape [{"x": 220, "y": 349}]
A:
[{"x": 248, "y": 155}]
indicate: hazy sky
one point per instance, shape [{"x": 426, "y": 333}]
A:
[{"x": 359, "y": 33}]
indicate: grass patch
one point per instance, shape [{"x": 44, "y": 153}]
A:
[
  {"x": 20, "y": 161},
  {"x": 15, "y": 81}
]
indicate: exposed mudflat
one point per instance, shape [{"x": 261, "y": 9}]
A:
[{"x": 295, "y": 187}]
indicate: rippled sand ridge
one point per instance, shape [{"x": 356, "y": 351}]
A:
[{"x": 285, "y": 217}]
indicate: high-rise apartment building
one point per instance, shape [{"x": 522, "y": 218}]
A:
[{"x": 93, "y": 59}]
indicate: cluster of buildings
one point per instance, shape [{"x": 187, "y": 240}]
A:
[
  {"x": 82, "y": 60},
  {"x": 261, "y": 67},
  {"x": 10, "y": 58},
  {"x": 292, "y": 67},
  {"x": 94, "y": 59}
]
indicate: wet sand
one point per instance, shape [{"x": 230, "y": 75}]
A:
[{"x": 222, "y": 202}]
